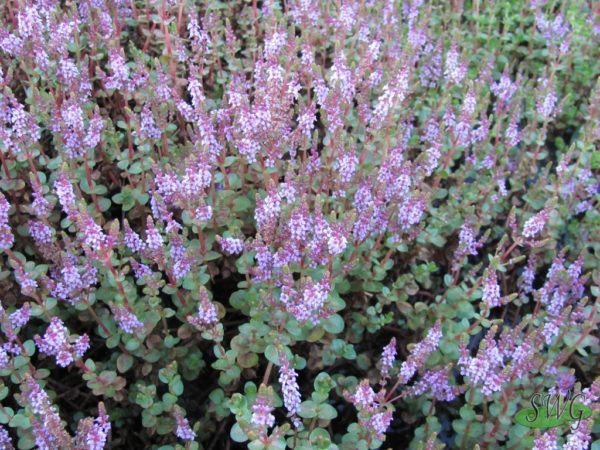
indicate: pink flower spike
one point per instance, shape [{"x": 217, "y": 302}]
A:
[{"x": 388, "y": 357}]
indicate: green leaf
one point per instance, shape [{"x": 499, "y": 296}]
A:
[
  {"x": 326, "y": 411},
  {"x": 308, "y": 409},
  {"x": 135, "y": 168},
  {"x": 29, "y": 347},
  {"x": 165, "y": 425},
  {"x": 104, "y": 204},
  {"x": 26, "y": 442},
  {"x": 247, "y": 360},
  {"x": 124, "y": 362},
  {"x": 272, "y": 354},
  {"x": 21, "y": 421},
  {"x": 169, "y": 399},
  {"x": 334, "y": 324},
  {"x": 237, "y": 434},
  {"x": 176, "y": 386},
  {"x": 6, "y": 414},
  {"x": 132, "y": 344},
  {"x": 256, "y": 445},
  {"x": 320, "y": 438},
  {"x": 241, "y": 204},
  {"x": 170, "y": 341},
  {"x": 143, "y": 399},
  {"x": 454, "y": 294},
  {"x": 467, "y": 413}
]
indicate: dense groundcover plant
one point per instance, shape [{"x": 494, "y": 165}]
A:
[{"x": 297, "y": 224}]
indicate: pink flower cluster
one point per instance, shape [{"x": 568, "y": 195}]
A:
[
  {"x": 6, "y": 236},
  {"x": 289, "y": 387},
  {"x": 57, "y": 342},
  {"x": 183, "y": 431},
  {"x": 261, "y": 412},
  {"x": 420, "y": 352},
  {"x": 206, "y": 316}
]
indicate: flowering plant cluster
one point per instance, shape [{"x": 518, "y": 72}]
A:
[{"x": 297, "y": 224}]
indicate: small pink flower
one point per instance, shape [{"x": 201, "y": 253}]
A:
[
  {"x": 289, "y": 386},
  {"x": 364, "y": 397},
  {"x": 491, "y": 289},
  {"x": 206, "y": 316},
  {"x": 261, "y": 412},
  {"x": 420, "y": 352},
  {"x": 127, "y": 321},
  {"x": 536, "y": 224},
  {"x": 183, "y": 431},
  {"x": 388, "y": 358},
  {"x": 231, "y": 246}
]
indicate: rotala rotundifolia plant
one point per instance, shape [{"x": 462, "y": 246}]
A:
[{"x": 299, "y": 224}]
